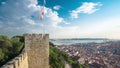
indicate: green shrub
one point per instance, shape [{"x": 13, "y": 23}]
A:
[
  {"x": 9, "y": 48},
  {"x": 58, "y": 59},
  {"x": 1, "y": 55}
]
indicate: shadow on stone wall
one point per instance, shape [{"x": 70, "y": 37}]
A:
[{"x": 21, "y": 61}]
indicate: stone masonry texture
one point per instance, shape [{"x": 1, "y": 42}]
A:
[
  {"x": 37, "y": 48},
  {"x": 34, "y": 55}
]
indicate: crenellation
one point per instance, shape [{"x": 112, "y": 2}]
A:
[
  {"x": 38, "y": 50},
  {"x": 34, "y": 55},
  {"x": 20, "y": 57},
  {"x": 17, "y": 62},
  {"x": 8, "y": 66},
  {"x": 46, "y": 37}
]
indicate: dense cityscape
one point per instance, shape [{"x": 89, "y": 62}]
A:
[{"x": 95, "y": 55}]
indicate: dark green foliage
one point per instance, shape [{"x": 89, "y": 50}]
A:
[
  {"x": 21, "y": 38},
  {"x": 72, "y": 62},
  {"x": 1, "y": 55},
  {"x": 17, "y": 45},
  {"x": 5, "y": 42},
  {"x": 77, "y": 65},
  {"x": 51, "y": 44},
  {"x": 58, "y": 59},
  {"x": 9, "y": 48}
]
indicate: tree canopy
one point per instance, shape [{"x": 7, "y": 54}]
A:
[{"x": 10, "y": 47}]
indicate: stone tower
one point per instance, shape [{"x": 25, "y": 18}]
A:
[{"x": 37, "y": 47}]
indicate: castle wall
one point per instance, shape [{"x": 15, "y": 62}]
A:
[
  {"x": 37, "y": 47},
  {"x": 21, "y": 61},
  {"x": 34, "y": 55}
]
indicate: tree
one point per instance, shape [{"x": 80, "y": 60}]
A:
[
  {"x": 17, "y": 45},
  {"x": 51, "y": 44},
  {"x": 5, "y": 42},
  {"x": 1, "y": 55},
  {"x": 21, "y": 38},
  {"x": 9, "y": 48}
]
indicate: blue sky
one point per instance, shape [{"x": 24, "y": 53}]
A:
[{"x": 63, "y": 18}]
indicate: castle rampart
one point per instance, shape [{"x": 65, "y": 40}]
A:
[
  {"x": 34, "y": 55},
  {"x": 21, "y": 61},
  {"x": 37, "y": 46}
]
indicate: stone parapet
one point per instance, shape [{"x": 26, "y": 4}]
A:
[
  {"x": 34, "y": 55},
  {"x": 37, "y": 48},
  {"x": 21, "y": 61}
]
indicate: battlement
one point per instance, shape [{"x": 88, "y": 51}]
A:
[
  {"x": 34, "y": 55},
  {"x": 37, "y": 48},
  {"x": 36, "y": 36},
  {"x": 18, "y": 62}
]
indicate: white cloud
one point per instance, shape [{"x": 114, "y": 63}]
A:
[
  {"x": 107, "y": 28},
  {"x": 18, "y": 17},
  {"x": 52, "y": 18},
  {"x": 86, "y": 8},
  {"x": 65, "y": 32},
  {"x": 29, "y": 21},
  {"x": 3, "y": 3},
  {"x": 23, "y": 16},
  {"x": 57, "y": 7},
  {"x": 66, "y": 22}
]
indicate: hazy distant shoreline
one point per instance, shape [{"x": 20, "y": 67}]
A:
[
  {"x": 82, "y": 39},
  {"x": 78, "y": 40}
]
